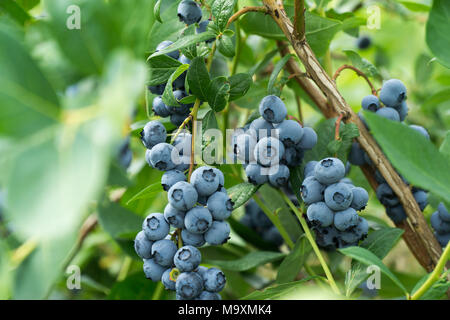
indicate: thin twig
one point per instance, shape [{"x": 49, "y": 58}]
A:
[
  {"x": 358, "y": 72},
  {"x": 244, "y": 10},
  {"x": 299, "y": 18}
]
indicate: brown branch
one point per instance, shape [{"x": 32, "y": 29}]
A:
[
  {"x": 299, "y": 18},
  {"x": 420, "y": 240},
  {"x": 337, "y": 127},
  {"x": 244, "y": 10},
  {"x": 359, "y": 73}
]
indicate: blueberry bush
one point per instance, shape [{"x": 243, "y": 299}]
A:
[{"x": 224, "y": 149}]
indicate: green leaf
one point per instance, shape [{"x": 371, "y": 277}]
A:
[
  {"x": 15, "y": 11},
  {"x": 250, "y": 236},
  {"x": 261, "y": 65},
  {"x": 225, "y": 46},
  {"x": 156, "y": 11},
  {"x": 252, "y": 98},
  {"x": 423, "y": 69},
  {"x": 415, "y": 6},
  {"x": 278, "y": 291},
  {"x": 217, "y": 94},
  {"x": 276, "y": 71},
  {"x": 334, "y": 146},
  {"x": 222, "y": 10},
  {"x": 368, "y": 258},
  {"x": 437, "y": 290},
  {"x": 209, "y": 121},
  {"x": 28, "y": 4},
  {"x": 241, "y": 193},
  {"x": 134, "y": 287},
  {"x": 320, "y": 31},
  {"x": 185, "y": 41},
  {"x": 362, "y": 64},
  {"x": 445, "y": 146},
  {"x": 147, "y": 192},
  {"x": 198, "y": 78},
  {"x": 293, "y": 263},
  {"x": 249, "y": 261},
  {"x": 188, "y": 100},
  {"x": 437, "y": 35},
  {"x": 168, "y": 97},
  {"x": 240, "y": 83},
  {"x": 296, "y": 179},
  {"x": 430, "y": 171},
  {"x": 119, "y": 222},
  {"x": 161, "y": 68}
]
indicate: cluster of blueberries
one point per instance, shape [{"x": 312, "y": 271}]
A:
[
  {"x": 393, "y": 96},
  {"x": 269, "y": 145},
  {"x": 255, "y": 219},
  {"x": 189, "y": 12},
  {"x": 440, "y": 221},
  {"x": 333, "y": 202}
]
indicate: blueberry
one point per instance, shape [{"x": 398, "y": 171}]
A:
[
  {"x": 177, "y": 119},
  {"x": 327, "y": 238},
  {"x": 367, "y": 159},
  {"x": 370, "y": 103},
  {"x": 143, "y": 246},
  {"x": 198, "y": 220},
  {"x": 403, "y": 111},
  {"x": 389, "y": 113},
  {"x": 159, "y": 108},
  {"x": 180, "y": 83},
  {"x": 163, "y": 252},
  {"x": 189, "y": 285},
  {"x": 206, "y": 295},
  {"x": 338, "y": 196},
  {"x": 421, "y": 198},
  {"x": 221, "y": 179},
  {"x": 393, "y": 92},
  {"x": 158, "y": 89},
  {"x": 439, "y": 225},
  {"x": 363, "y": 120},
  {"x": 363, "y": 42},
  {"x": 386, "y": 195},
  {"x": 165, "y": 279},
  {"x": 206, "y": 180},
  {"x": 187, "y": 258},
  {"x": 189, "y": 12},
  {"x": 289, "y": 132},
  {"x": 319, "y": 214},
  {"x": 329, "y": 170},
  {"x": 312, "y": 190},
  {"x": 346, "y": 219},
  {"x": 268, "y": 151},
  {"x": 255, "y": 174},
  {"x": 280, "y": 176},
  {"x": 292, "y": 157},
  {"x": 309, "y": 139},
  {"x": 362, "y": 228},
  {"x": 379, "y": 178},
  {"x": 309, "y": 168},
  {"x": 261, "y": 128},
  {"x": 192, "y": 239},
  {"x": 443, "y": 212},
  {"x": 182, "y": 109},
  {"x": 155, "y": 226},
  {"x": 273, "y": 235},
  {"x": 360, "y": 198},
  {"x": 259, "y": 219},
  {"x": 153, "y": 133},
  {"x": 421, "y": 130},
  {"x": 356, "y": 155},
  {"x": 443, "y": 239},
  {"x": 347, "y": 181},
  {"x": 174, "y": 54},
  {"x": 272, "y": 109},
  {"x": 202, "y": 26},
  {"x": 182, "y": 196},
  {"x": 218, "y": 233},
  {"x": 349, "y": 236},
  {"x": 246, "y": 220},
  {"x": 125, "y": 155},
  {"x": 369, "y": 293},
  {"x": 396, "y": 213},
  {"x": 245, "y": 146},
  {"x": 203, "y": 200},
  {"x": 183, "y": 143},
  {"x": 174, "y": 216},
  {"x": 214, "y": 280},
  {"x": 220, "y": 205},
  {"x": 164, "y": 157},
  {"x": 152, "y": 270},
  {"x": 147, "y": 157},
  {"x": 184, "y": 60},
  {"x": 169, "y": 178}
]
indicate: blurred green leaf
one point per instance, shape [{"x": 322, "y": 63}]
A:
[
  {"x": 437, "y": 37},
  {"x": 445, "y": 146},
  {"x": 147, "y": 192},
  {"x": 293, "y": 263},
  {"x": 13, "y": 9},
  {"x": 437, "y": 290},
  {"x": 157, "y": 11},
  {"x": 251, "y": 260},
  {"x": 362, "y": 64},
  {"x": 250, "y": 235},
  {"x": 134, "y": 287},
  {"x": 276, "y": 71},
  {"x": 278, "y": 291},
  {"x": 118, "y": 221}
]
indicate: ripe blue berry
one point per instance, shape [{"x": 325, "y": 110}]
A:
[
  {"x": 439, "y": 225},
  {"x": 273, "y": 235},
  {"x": 421, "y": 130},
  {"x": 280, "y": 176},
  {"x": 143, "y": 246},
  {"x": 182, "y": 196},
  {"x": 245, "y": 146},
  {"x": 393, "y": 92},
  {"x": 163, "y": 252},
  {"x": 187, "y": 258},
  {"x": 174, "y": 216},
  {"x": 158, "y": 89},
  {"x": 202, "y": 27},
  {"x": 192, "y": 239},
  {"x": 338, "y": 196},
  {"x": 396, "y": 213},
  {"x": 327, "y": 238},
  {"x": 159, "y": 108},
  {"x": 356, "y": 155},
  {"x": 169, "y": 178},
  {"x": 268, "y": 151},
  {"x": 184, "y": 60},
  {"x": 421, "y": 198},
  {"x": 443, "y": 239},
  {"x": 289, "y": 132},
  {"x": 309, "y": 139},
  {"x": 164, "y": 157},
  {"x": 370, "y": 103},
  {"x": 389, "y": 113},
  {"x": 206, "y": 180},
  {"x": 125, "y": 155},
  {"x": 218, "y": 233},
  {"x": 443, "y": 212},
  {"x": 155, "y": 226},
  {"x": 319, "y": 214},
  {"x": 386, "y": 195},
  {"x": 329, "y": 170},
  {"x": 214, "y": 280},
  {"x": 255, "y": 174},
  {"x": 363, "y": 42},
  {"x": 177, "y": 119},
  {"x": 189, "y": 12},
  {"x": 152, "y": 270},
  {"x": 174, "y": 54},
  {"x": 153, "y": 133},
  {"x": 346, "y": 219},
  {"x": 403, "y": 111},
  {"x": 312, "y": 190},
  {"x": 309, "y": 168},
  {"x": 182, "y": 109},
  {"x": 189, "y": 285},
  {"x": 206, "y": 295},
  {"x": 220, "y": 205},
  {"x": 360, "y": 198},
  {"x": 292, "y": 156},
  {"x": 261, "y": 128},
  {"x": 198, "y": 220},
  {"x": 165, "y": 279},
  {"x": 272, "y": 109}
]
